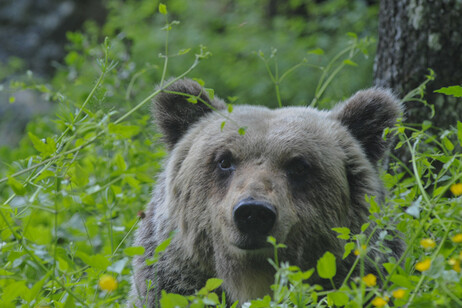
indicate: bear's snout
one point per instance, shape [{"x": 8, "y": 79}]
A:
[{"x": 254, "y": 218}]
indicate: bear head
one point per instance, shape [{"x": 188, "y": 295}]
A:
[{"x": 295, "y": 174}]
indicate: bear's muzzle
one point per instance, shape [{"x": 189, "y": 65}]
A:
[{"x": 254, "y": 219}]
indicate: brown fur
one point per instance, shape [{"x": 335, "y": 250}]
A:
[{"x": 339, "y": 150}]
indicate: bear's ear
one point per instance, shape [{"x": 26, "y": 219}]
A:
[
  {"x": 366, "y": 115},
  {"x": 174, "y": 114}
]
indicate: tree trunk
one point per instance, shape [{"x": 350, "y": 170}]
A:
[{"x": 415, "y": 35}]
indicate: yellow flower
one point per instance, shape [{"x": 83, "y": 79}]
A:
[
  {"x": 378, "y": 302},
  {"x": 361, "y": 250},
  {"x": 457, "y": 238},
  {"x": 456, "y": 189},
  {"x": 455, "y": 263},
  {"x": 107, "y": 283},
  {"x": 427, "y": 243},
  {"x": 370, "y": 280},
  {"x": 423, "y": 265},
  {"x": 399, "y": 293}
]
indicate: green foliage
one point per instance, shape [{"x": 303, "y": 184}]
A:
[
  {"x": 234, "y": 32},
  {"x": 326, "y": 267},
  {"x": 203, "y": 298},
  {"x": 455, "y": 91},
  {"x": 73, "y": 191}
]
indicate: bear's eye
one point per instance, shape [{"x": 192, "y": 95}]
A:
[
  {"x": 297, "y": 168},
  {"x": 225, "y": 162}
]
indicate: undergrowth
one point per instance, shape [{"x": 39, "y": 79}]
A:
[{"x": 73, "y": 191}]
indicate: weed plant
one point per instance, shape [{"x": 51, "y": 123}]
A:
[{"x": 73, "y": 191}]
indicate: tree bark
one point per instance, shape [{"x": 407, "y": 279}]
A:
[{"x": 415, "y": 35}]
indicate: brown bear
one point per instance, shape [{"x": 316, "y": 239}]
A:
[{"x": 295, "y": 174}]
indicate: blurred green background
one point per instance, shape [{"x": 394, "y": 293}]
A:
[{"x": 235, "y": 32}]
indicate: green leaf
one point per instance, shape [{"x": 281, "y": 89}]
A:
[
  {"x": 210, "y": 285},
  {"x": 14, "y": 289},
  {"x": 171, "y": 300},
  {"x": 78, "y": 175},
  {"x": 365, "y": 226},
  {"x": 63, "y": 265},
  {"x": 348, "y": 248},
  {"x": 211, "y": 299},
  {"x": 70, "y": 302},
  {"x": 455, "y": 91},
  {"x": 88, "y": 199},
  {"x": 192, "y": 100},
  {"x": 199, "y": 81},
  {"x": 211, "y": 93},
  {"x": 448, "y": 144},
  {"x": 12, "y": 99},
  {"x": 261, "y": 303},
  {"x": 242, "y": 130},
  {"x": 352, "y": 34},
  {"x": 317, "y": 51},
  {"x": 162, "y": 246},
  {"x": 134, "y": 251},
  {"x": 439, "y": 191},
  {"x": 134, "y": 183},
  {"x": 230, "y": 108},
  {"x": 402, "y": 281},
  {"x": 459, "y": 132},
  {"x": 38, "y": 144},
  {"x": 162, "y": 9},
  {"x": 374, "y": 206},
  {"x": 385, "y": 133},
  {"x": 426, "y": 125},
  {"x": 271, "y": 240},
  {"x": 4, "y": 272},
  {"x": 232, "y": 99},
  {"x": 326, "y": 266},
  {"x": 349, "y": 62},
  {"x": 120, "y": 162},
  {"x": 236, "y": 303},
  {"x": 97, "y": 261},
  {"x": 344, "y": 233},
  {"x": 339, "y": 298},
  {"x": 184, "y": 51},
  {"x": 17, "y": 186},
  {"x": 39, "y": 234},
  {"x": 159, "y": 249},
  {"x": 45, "y": 149},
  {"x": 213, "y": 283},
  {"x": 389, "y": 267},
  {"x": 123, "y": 131},
  {"x": 37, "y": 288},
  {"x": 222, "y": 125},
  {"x": 44, "y": 174}
]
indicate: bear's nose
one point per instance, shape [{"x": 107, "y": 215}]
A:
[{"x": 254, "y": 217}]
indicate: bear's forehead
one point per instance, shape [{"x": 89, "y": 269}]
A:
[
  {"x": 291, "y": 123},
  {"x": 280, "y": 132}
]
